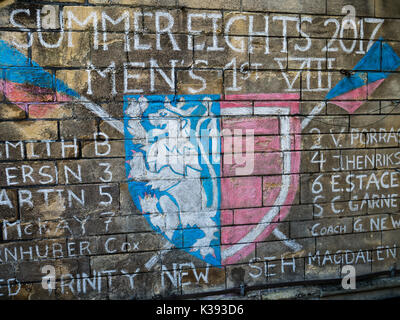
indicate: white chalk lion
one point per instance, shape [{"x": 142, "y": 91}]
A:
[{"x": 171, "y": 160}]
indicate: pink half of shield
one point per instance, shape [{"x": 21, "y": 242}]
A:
[{"x": 253, "y": 203}]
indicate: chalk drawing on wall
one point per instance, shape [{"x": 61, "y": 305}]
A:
[
  {"x": 158, "y": 189},
  {"x": 183, "y": 192}
]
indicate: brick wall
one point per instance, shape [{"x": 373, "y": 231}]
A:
[{"x": 157, "y": 148}]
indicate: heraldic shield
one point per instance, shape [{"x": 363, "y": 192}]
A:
[{"x": 212, "y": 174}]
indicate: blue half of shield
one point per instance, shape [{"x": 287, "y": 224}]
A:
[{"x": 172, "y": 173}]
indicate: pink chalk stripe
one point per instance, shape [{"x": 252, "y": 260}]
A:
[
  {"x": 16, "y": 92},
  {"x": 261, "y": 126},
  {"x": 352, "y": 100},
  {"x": 235, "y": 104},
  {"x": 226, "y": 217},
  {"x": 264, "y": 96},
  {"x": 43, "y": 99}
]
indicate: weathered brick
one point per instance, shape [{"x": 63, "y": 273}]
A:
[
  {"x": 248, "y": 274},
  {"x": 26, "y": 252},
  {"x": 24, "y": 18},
  {"x": 280, "y": 249},
  {"x": 363, "y": 8},
  {"x": 157, "y": 3},
  {"x": 8, "y": 204},
  {"x": 286, "y": 293},
  {"x": 327, "y": 124},
  {"x": 217, "y": 53},
  {"x": 31, "y": 271},
  {"x": 82, "y": 13},
  {"x": 243, "y": 22},
  {"x": 127, "y": 262},
  {"x": 363, "y": 241},
  {"x": 31, "y": 291},
  {"x": 372, "y": 223},
  {"x": 49, "y": 111},
  {"x": 323, "y": 188},
  {"x": 197, "y": 280},
  {"x": 172, "y": 258},
  {"x": 321, "y": 228},
  {"x": 65, "y": 54},
  {"x": 79, "y": 129},
  {"x": 316, "y": 84},
  {"x": 12, "y": 150},
  {"x": 386, "y": 9},
  {"x": 303, "y": 6},
  {"x": 91, "y": 171},
  {"x": 315, "y": 58},
  {"x": 13, "y": 39},
  {"x": 232, "y": 5},
  {"x": 110, "y": 224},
  {"x": 383, "y": 28},
  {"x": 56, "y": 202},
  {"x": 387, "y": 90},
  {"x": 300, "y": 213},
  {"x": 100, "y": 90},
  {"x": 52, "y": 150},
  {"x": 261, "y": 82},
  {"x": 127, "y": 205},
  {"x": 11, "y": 111},
  {"x": 209, "y": 81},
  {"x": 28, "y": 130},
  {"x": 383, "y": 203},
  {"x": 368, "y": 107},
  {"x": 268, "y": 53},
  {"x": 165, "y": 18},
  {"x": 112, "y": 49},
  {"x": 320, "y": 26},
  {"x": 316, "y": 141},
  {"x": 331, "y": 271},
  {"x": 234, "y": 234},
  {"x": 171, "y": 49},
  {"x": 134, "y": 286},
  {"x": 347, "y": 61},
  {"x": 340, "y": 208},
  {"x": 285, "y": 270},
  {"x": 27, "y": 173},
  {"x": 237, "y": 188},
  {"x": 117, "y": 149},
  {"x": 367, "y": 185},
  {"x": 390, "y": 238},
  {"x": 20, "y": 230},
  {"x": 320, "y": 161},
  {"x": 86, "y": 287},
  {"x": 146, "y": 241},
  {"x": 385, "y": 258}
]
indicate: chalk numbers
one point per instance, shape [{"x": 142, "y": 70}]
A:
[
  {"x": 317, "y": 188},
  {"x": 354, "y": 31}
]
